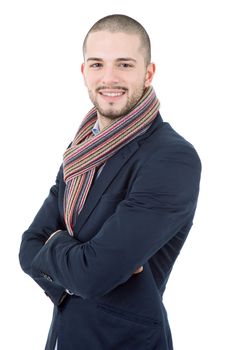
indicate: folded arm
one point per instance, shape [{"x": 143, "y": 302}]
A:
[
  {"x": 45, "y": 223},
  {"x": 161, "y": 201}
]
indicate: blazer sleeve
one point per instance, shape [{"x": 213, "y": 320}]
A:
[
  {"x": 162, "y": 200},
  {"x": 45, "y": 223}
]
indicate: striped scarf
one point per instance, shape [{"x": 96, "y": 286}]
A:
[{"x": 87, "y": 151}]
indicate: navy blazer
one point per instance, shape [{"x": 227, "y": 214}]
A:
[{"x": 138, "y": 213}]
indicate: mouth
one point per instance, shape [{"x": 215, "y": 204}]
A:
[{"x": 112, "y": 93}]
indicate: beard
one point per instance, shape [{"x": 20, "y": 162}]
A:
[{"x": 113, "y": 112}]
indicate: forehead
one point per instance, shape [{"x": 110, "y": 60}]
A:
[{"x": 104, "y": 44}]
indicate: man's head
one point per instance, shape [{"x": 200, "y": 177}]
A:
[
  {"x": 117, "y": 66},
  {"x": 122, "y": 24}
]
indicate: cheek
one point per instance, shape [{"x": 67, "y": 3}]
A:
[
  {"x": 137, "y": 79},
  {"x": 92, "y": 82},
  {"x": 138, "y": 84},
  {"x": 89, "y": 84}
]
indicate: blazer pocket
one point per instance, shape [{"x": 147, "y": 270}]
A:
[
  {"x": 129, "y": 316},
  {"x": 126, "y": 330}
]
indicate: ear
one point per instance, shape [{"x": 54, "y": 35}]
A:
[
  {"x": 150, "y": 71},
  {"x": 83, "y": 72}
]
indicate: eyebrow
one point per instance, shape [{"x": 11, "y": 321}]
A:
[
  {"x": 120, "y": 59},
  {"x": 126, "y": 59}
]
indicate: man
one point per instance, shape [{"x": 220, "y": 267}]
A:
[{"x": 104, "y": 242}]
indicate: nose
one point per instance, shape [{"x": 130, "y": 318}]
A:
[{"x": 110, "y": 76}]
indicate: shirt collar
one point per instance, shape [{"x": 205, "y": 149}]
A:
[{"x": 96, "y": 129}]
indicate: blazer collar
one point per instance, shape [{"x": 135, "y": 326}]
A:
[{"x": 110, "y": 170}]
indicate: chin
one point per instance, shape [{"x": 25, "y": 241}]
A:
[{"x": 110, "y": 114}]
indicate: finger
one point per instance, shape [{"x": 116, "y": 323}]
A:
[{"x": 140, "y": 269}]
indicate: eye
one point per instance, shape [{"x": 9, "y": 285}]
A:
[
  {"x": 126, "y": 65},
  {"x": 96, "y": 65}
]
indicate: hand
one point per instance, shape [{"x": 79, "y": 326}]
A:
[
  {"x": 140, "y": 269},
  {"x": 54, "y": 233}
]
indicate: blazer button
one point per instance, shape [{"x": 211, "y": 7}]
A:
[{"x": 47, "y": 277}]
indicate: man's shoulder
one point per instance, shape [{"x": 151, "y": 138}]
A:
[
  {"x": 166, "y": 142},
  {"x": 165, "y": 134}
]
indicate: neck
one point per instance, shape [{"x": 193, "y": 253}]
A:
[{"x": 103, "y": 121}]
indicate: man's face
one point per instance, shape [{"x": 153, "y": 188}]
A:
[{"x": 114, "y": 72}]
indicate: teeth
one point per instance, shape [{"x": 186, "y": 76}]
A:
[{"x": 112, "y": 94}]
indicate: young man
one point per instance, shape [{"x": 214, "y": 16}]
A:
[{"x": 104, "y": 242}]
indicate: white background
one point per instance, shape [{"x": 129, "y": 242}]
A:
[{"x": 43, "y": 100}]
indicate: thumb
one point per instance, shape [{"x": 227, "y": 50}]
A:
[{"x": 140, "y": 269}]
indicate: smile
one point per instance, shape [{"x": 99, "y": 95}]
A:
[{"x": 112, "y": 94}]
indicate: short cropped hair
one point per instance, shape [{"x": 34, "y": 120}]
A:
[{"x": 121, "y": 23}]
